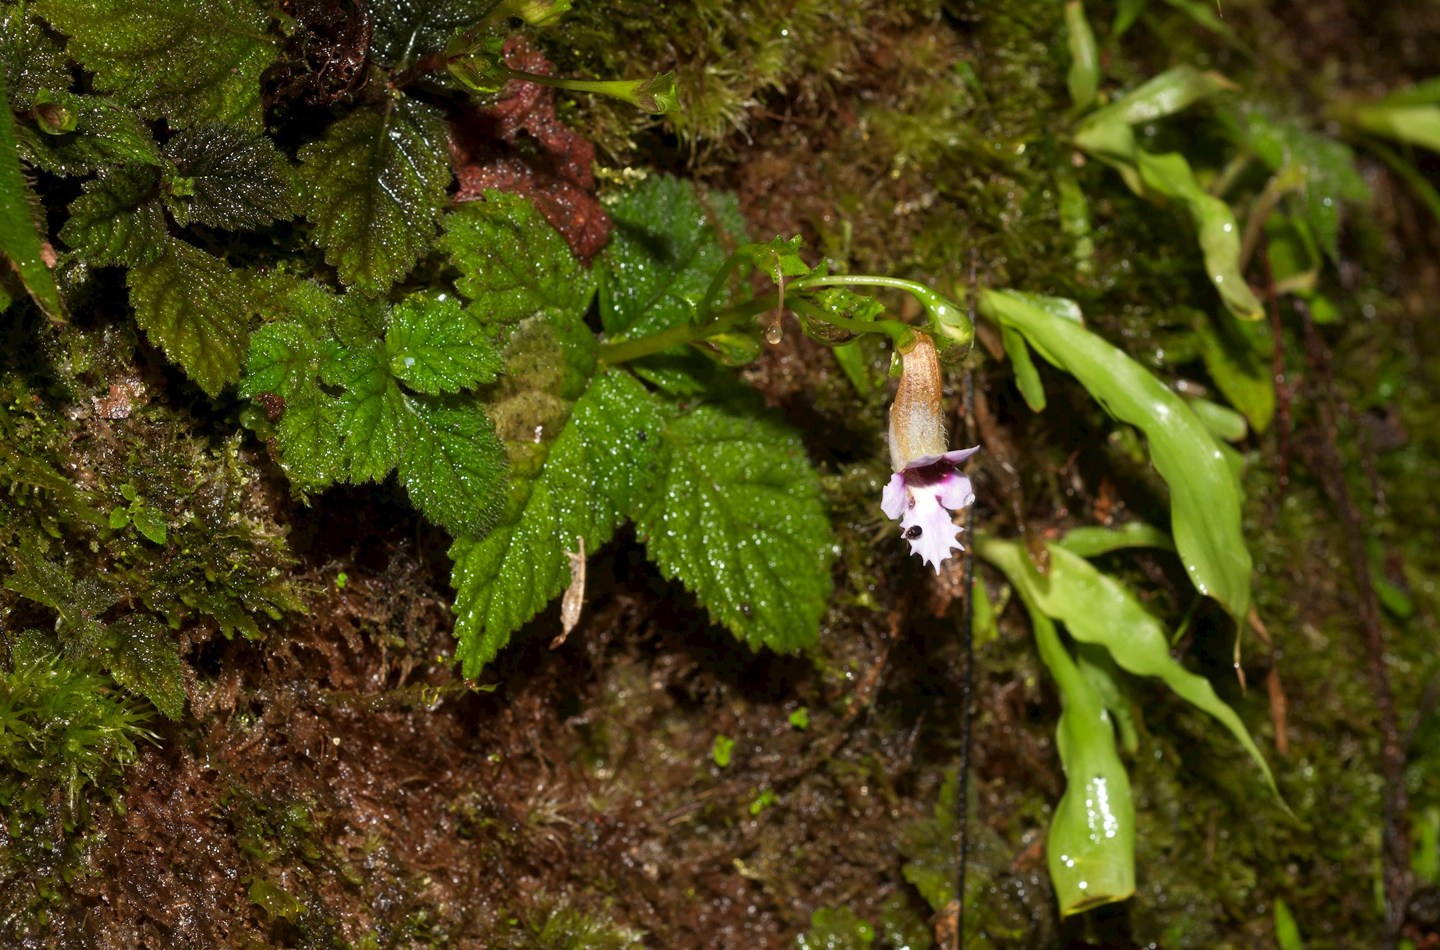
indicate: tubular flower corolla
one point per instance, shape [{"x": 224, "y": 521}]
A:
[{"x": 927, "y": 484}]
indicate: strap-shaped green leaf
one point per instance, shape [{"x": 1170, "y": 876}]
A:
[
  {"x": 1096, "y": 608},
  {"x": 1090, "y": 848},
  {"x": 1204, "y": 493}
]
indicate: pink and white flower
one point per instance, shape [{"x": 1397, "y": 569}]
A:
[{"x": 927, "y": 484}]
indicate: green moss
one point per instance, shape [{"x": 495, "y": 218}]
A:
[{"x": 114, "y": 490}]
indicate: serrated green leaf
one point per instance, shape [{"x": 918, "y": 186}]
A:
[
  {"x": 512, "y": 263},
  {"x": 285, "y": 360},
  {"x": 346, "y": 416},
  {"x": 374, "y": 187},
  {"x": 600, "y": 466},
  {"x": 195, "y": 308},
  {"x": 236, "y": 179},
  {"x": 1090, "y": 848},
  {"x": 738, "y": 520},
  {"x": 405, "y": 30},
  {"x": 30, "y": 58},
  {"x": 437, "y": 346},
  {"x": 454, "y": 465},
  {"x": 144, "y": 657},
  {"x": 106, "y": 133},
  {"x": 118, "y": 218},
  {"x": 1204, "y": 493},
  {"x": 190, "y": 61},
  {"x": 669, "y": 241},
  {"x": 1096, "y": 608},
  {"x": 19, "y": 240}
]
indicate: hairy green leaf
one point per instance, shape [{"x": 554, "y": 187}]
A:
[
  {"x": 195, "y": 308},
  {"x": 453, "y": 466},
  {"x": 512, "y": 263},
  {"x": 118, "y": 219},
  {"x": 105, "y": 133},
  {"x": 286, "y": 360},
  {"x": 738, "y": 520},
  {"x": 601, "y": 465},
  {"x": 405, "y": 30},
  {"x": 19, "y": 240},
  {"x": 190, "y": 61},
  {"x": 1090, "y": 848},
  {"x": 346, "y": 416},
  {"x": 1096, "y": 608},
  {"x": 669, "y": 241},
  {"x": 1204, "y": 494},
  {"x": 374, "y": 188},
  {"x": 232, "y": 178},
  {"x": 30, "y": 58},
  {"x": 437, "y": 346}
]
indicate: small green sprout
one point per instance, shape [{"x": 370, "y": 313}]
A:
[{"x": 721, "y": 750}]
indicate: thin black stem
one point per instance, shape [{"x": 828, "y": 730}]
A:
[{"x": 967, "y": 648}]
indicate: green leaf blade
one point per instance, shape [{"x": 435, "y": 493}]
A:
[
  {"x": 1205, "y": 496},
  {"x": 19, "y": 239},
  {"x": 512, "y": 263},
  {"x": 237, "y": 179},
  {"x": 117, "y": 219},
  {"x": 669, "y": 241},
  {"x": 374, "y": 188},
  {"x": 453, "y": 465},
  {"x": 209, "y": 342},
  {"x": 600, "y": 466},
  {"x": 1095, "y": 608},
  {"x": 434, "y": 345},
  {"x": 191, "y": 61},
  {"x": 1090, "y": 848},
  {"x": 739, "y": 521}
]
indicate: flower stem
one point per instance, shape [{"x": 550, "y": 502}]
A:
[{"x": 625, "y": 351}]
